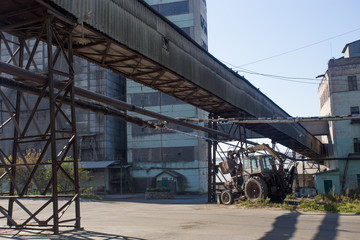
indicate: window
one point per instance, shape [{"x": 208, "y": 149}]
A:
[
  {"x": 247, "y": 163},
  {"x": 354, "y": 110},
  {"x": 186, "y": 30},
  {"x": 145, "y": 99},
  {"x": 255, "y": 165},
  {"x": 352, "y": 82},
  {"x": 169, "y": 100},
  {"x": 177, "y": 154},
  {"x": 171, "y": 154},
  {"x": 203, "y": 45},
  {"x": 266, "y": 162},
  {"x": 203, "y": 24},
  {"x": 358, "y": 180},
  {"x": 153, "y": 99},
  {"x": 146, "y": 155},
  {"x": 357, "y": 145},
  {"x": 174, "y": 8}
]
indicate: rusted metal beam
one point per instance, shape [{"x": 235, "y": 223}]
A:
[{"x": 83, "y": 104}]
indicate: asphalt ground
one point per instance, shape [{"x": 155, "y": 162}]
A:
[{"x": 130, "y": 217}]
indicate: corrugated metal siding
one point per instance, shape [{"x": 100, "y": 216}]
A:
[
  {"x": 107, "y": 16},
  {"x": 115, "y": 18}
]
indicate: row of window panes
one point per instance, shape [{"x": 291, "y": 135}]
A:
[
  {"x": 175, "y": 8},
  {"x": 170, "y": 154},
  {"x": 153, "y": 99}
]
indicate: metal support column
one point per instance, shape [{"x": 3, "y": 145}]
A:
[{"x": 44, "y": 147}]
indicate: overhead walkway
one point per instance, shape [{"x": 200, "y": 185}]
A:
[{"x": 131, "y": 39}]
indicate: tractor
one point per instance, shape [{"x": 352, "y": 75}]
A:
[{"x": 256, "y": 176}]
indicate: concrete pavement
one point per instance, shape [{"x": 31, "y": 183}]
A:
[{"x": 189, "y": 217}]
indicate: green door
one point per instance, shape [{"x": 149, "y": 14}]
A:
[
  {"x": 328, "y": 186},
  {"x": 165, "y": 183}
]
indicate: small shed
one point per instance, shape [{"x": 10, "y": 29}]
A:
[
  {"x": 327, "y": 181},
  {"x": 168, "y": 179},
  {"x": 107, "y": 176}
]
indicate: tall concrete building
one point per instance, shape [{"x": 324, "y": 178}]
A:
[
  {"x": 166, "y": 158},
  {"x": 339, "y": 94}
]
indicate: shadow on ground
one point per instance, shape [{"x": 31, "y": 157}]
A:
[
  {"x": 71, "y": 235},
  {"x": 284, "y": 227},
  {"x": 328, "y": 228}
]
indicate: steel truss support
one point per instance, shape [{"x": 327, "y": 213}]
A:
[
  {"x": 43, "y": 142},
  {"x": 216, "y": 153}
]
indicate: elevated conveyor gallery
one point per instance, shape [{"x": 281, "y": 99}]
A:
[{"x": 131, "y": 39}]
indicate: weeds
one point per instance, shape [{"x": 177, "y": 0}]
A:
[
  {"x": 321, "y": 203},
  {"x": 89, "y": 194}
]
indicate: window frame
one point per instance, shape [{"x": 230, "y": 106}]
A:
[
  {"x": 352, "y": 83},
  {"x": 354, "y": 110}
]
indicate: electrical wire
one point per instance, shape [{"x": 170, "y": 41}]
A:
[
  {"x": 289, "y": 79},
  {"x": 284, "y": 78},
  {"x": 300, "y": 48},
  {"x": 304, "y": 80}
]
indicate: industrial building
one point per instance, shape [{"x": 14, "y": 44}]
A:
[
  {"x": 152, "y": 153},
  {"x": 339, "y": 94}
]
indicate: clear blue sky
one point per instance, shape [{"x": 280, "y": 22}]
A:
[{"x": 244, "y": 31}]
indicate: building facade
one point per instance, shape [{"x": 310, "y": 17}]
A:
[
  {"x": 151, "y": 152},
  {"x": 339, "y": 94}
]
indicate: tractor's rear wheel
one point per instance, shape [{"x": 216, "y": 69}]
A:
[
  {"x": 227, "y": 197},
  {"x": 255, "y": 189}
]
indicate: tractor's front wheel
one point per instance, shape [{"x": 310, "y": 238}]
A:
[{"x": 227, "y": 197}]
